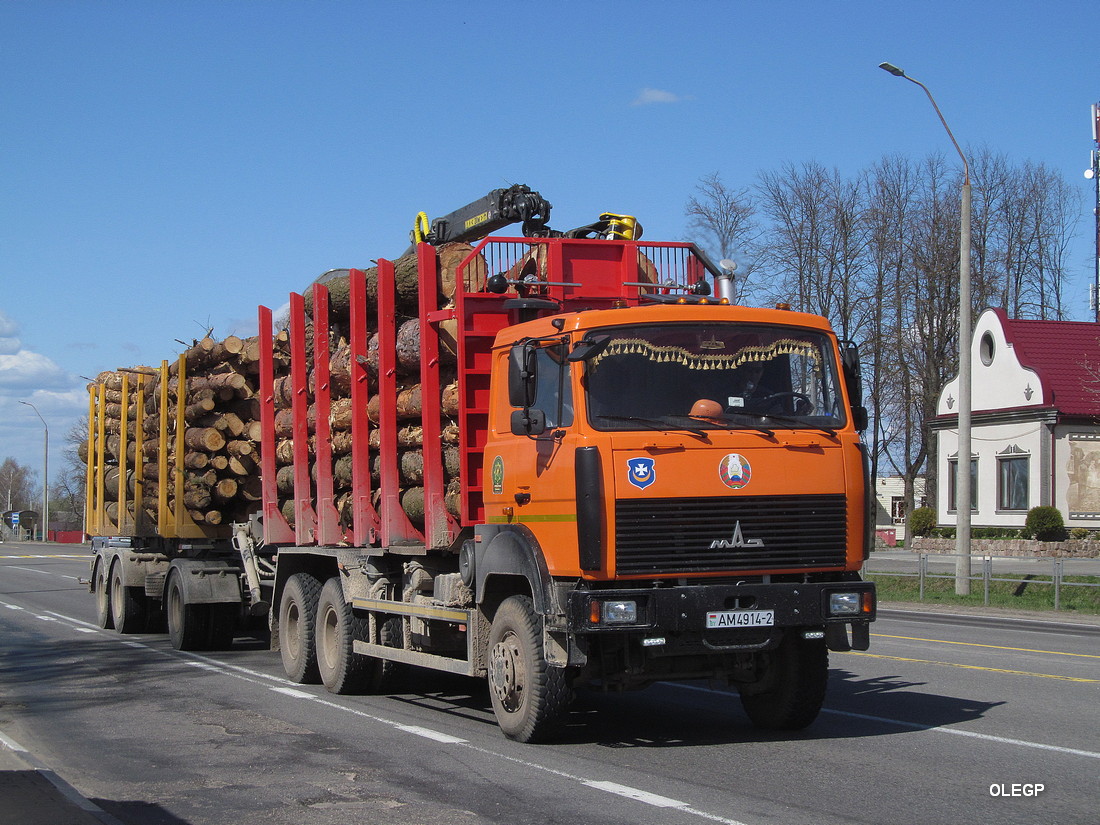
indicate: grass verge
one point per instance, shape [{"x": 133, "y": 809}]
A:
[{"x": 1034, "y": 593}]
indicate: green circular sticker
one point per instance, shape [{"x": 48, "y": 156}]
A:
[{"x": 498, "y": 475}]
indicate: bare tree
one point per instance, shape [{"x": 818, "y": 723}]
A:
[
  {"x": 68, "y": 491},
  {"x": 721, "y": 220},
  {"x": 16, "y": 485},
  {"x": 878, "y": 255}
]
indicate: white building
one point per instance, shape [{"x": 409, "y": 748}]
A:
[
  {"x": 1035, "y": 436},
  {"x": 890, "y": 514}
]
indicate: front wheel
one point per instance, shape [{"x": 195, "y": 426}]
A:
[
  {"x": 792, "y": 690},
  {"x": 530, "y": 698}
]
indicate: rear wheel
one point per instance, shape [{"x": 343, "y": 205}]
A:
[
  {"x": 297, "y": 622},
  {"x": 127, "y": 603},
  {"x": 188, "y": 624},
  {"x": 103, "y": 616},
  {"x": 530, "y": 698},
  {"x": 790, "y": 695},
  {"x": 342, "y": 669}
]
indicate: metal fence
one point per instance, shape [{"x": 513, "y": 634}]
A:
[{"x": 989, "y": 569}]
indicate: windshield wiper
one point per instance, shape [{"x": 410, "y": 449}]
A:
[
  {"x": 748, "y": 425},
  {"x": 653, "y": 423},
  {"x": 798, "y": 422}
]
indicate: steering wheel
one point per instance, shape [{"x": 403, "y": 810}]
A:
[{"x": 803, "y": 405}]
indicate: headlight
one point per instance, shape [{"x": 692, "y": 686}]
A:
[
  {"x": 619, "y": 612},
  {"x": 844, "y": 604}
]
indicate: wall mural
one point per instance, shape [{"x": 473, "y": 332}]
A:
[{"x": 1083, "y": 475}]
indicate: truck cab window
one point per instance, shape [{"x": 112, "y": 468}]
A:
[
  {"x": 553, "y": 392},
  {"x": 738, "y": 373}
]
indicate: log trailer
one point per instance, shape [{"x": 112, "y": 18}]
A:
[{"x": 627, "y": 507}]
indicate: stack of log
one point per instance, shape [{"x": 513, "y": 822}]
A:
[
  {"x": 408, "y": 402},
  {"x": 221, "y": 434}
]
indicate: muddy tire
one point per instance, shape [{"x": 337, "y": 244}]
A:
[
  {"x": 342, "y": 670},
  {"x": 188, "y": 624},
  {"x": 793, "y": 687},
  {"x": 297, "y": 628},
  {"x": 103, "y": 617},
  {"x": 530, "y": 698},
  {"x": 128, "y": 611}
]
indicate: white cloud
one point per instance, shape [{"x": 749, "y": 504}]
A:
[
  {"x": 9, "y": 335},
  {"x": 649, "y": 96},
  {"x": 26, "y": 371}
]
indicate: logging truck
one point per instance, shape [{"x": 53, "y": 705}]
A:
[{"x": 553, "y": 461}]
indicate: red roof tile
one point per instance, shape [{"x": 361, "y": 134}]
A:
[{"x": 1059, "y": 352}]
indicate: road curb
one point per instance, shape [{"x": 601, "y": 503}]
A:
[
  {"x": 986, "y": 616},
  {"x": 34, "y": 793}
]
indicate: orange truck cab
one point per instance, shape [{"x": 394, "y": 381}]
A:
[{"x": 683, "y": 483}]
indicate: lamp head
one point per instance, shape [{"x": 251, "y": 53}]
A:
[{"x": 892, "y": 69}]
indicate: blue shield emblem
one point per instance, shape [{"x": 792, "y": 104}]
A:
[{"x": 640, "y": 472}]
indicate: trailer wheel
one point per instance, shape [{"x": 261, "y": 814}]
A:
[
  {"x": 188, "y": 624},
  {"x": 103, "y": 616},
  {"x": 796, "y": 677},
  {"x": 297, "y": 622},
  {"x": 530, "y": 698},
  {"x": 342, "y": 669},
  {"x": 127, "y": 607}
]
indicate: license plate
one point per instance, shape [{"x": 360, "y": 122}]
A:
[{"x": 741, "y": 618}]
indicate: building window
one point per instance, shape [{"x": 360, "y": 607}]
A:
[
  {"x": 1012, "y": 483},
  {"x": 953, "y": 471},
  {"x": 897, "y": 509}
]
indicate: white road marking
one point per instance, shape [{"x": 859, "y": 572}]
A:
[
  {"x": 957, "y": 732},
  {"x": 434, "y": 735},
  {"x": 634, "y": 793},
  {"x": 1023, "y": 743},
  {"x": 297, "y": 694},
  {"x": 43, "y": 572}
]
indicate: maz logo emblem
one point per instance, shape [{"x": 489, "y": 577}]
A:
[{"x": 737, "y": 540}]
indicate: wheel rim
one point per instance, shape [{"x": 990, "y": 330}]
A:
[
  {"x": 292, "y": 623},
  {"x": 509, "y": 674},
  {"x": 116, "y": 596},
  {"x": 102, "y": 599},
  {"x": 328, "y": 638},
  {"x": 175, "y": 610}
]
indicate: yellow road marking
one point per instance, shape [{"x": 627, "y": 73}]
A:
[
  {"x": 975, "y": 667},
  {"x": 991, "y": 647}
]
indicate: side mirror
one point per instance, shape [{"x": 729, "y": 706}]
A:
[
  {"x": 589, "y": 347},
  {"x": 860, "y": 418},
  {"x": 528, "y": 421},
  {"x": 522, "y": 371},
  {"x": 853, "y": 372}
]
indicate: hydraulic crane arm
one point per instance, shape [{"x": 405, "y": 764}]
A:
[{"x": 501, "y": 207}]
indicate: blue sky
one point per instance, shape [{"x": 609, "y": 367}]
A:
[{"x": 168, "y": 166}]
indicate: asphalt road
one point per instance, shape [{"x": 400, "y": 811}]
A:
[{"x": 947, "y": 719}]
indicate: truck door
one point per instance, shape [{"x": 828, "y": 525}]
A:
[{"x": 531, "y": 474}]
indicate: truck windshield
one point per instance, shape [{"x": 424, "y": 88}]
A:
[{"x": 714, "y": 376}]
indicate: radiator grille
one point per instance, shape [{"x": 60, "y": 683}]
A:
[{"x": 695, "y": 535}]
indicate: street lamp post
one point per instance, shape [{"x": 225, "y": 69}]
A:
[
  {"x": 45, "y": 471},
  {"x": 962, "y": 471}
]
